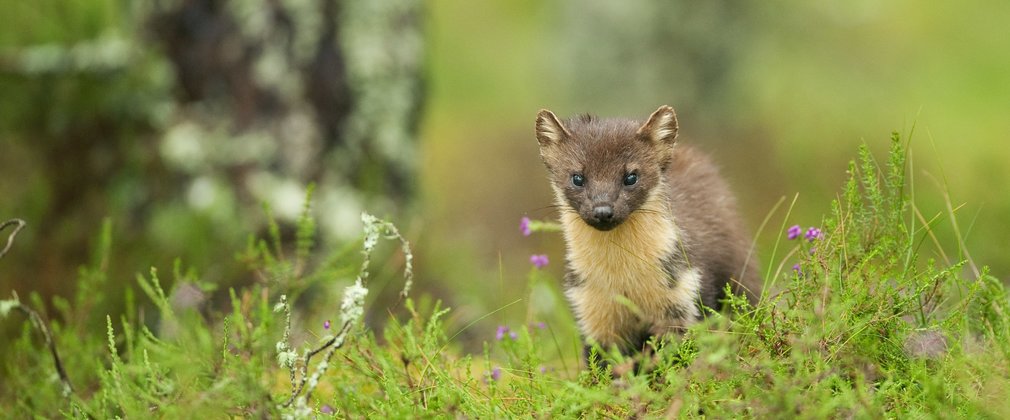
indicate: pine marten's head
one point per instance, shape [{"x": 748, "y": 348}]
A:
[{"x": 605, "y": 169}]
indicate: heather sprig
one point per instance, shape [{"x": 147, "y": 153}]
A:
[
  {"x": 812, "y": 233},
  {"x": 794, "y": 232},
  {"x": 539, "y": 260},
  {"x": 501, "y": 332},
  {"x": 528, "y": 226}
]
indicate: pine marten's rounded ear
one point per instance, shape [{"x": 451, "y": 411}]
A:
[
  {"x": 550, "y": 131},
  {"x": 661, "y": 127}
]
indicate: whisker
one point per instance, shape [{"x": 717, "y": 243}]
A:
[
  {"x": 547, "y": 207},
  {"x": 648, "y": 211}
]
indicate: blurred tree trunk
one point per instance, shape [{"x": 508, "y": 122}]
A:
[{"x": 335, "y": 86}]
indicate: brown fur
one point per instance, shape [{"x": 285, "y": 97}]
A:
[{"x": 674, "y": 240}]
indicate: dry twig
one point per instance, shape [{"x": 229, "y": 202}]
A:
[
  {"x": 33, "y": 315},
  {"x": 20, "y": 224}
]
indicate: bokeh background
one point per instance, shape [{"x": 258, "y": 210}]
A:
[{"x": 176, "y": 120}]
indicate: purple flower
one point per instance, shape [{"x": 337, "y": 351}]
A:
[
  {"x": 794, "y": 232},
  {"x": 524, "y": 226},
  {"x": 502, "y": 330},
  {"x": 326, "y": 409},
  {"x": 513, "y": 335},
  {"x": 540, "y": 261},
  {"x": 540, "y": 325},
  {"x": 326, "y": 325},
  {"x": 496, "y": 373},
  {"x": 796, "y": 268},
  {"x": 812, "y": 233}
]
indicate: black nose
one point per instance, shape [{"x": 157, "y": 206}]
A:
[{"x": 603, "y": 213}]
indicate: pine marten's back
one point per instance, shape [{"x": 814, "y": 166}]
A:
[{"x": 705, "y": 208}]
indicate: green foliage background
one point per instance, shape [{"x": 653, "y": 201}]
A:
[{"x": 780, "y": 93}]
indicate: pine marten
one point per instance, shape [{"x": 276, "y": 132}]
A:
[{"x": 651, "y": 229}]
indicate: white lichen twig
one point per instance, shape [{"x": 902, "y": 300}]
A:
[{"x": 352, "y": 308}]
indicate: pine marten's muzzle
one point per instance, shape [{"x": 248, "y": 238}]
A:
[{"x": 602, "y": 217}]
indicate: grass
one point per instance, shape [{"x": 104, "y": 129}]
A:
[{"x": 865, "y": 327}]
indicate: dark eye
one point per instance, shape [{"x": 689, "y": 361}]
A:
[
  {"x": 578, "y": 180},
  {"x": 630, "y": 179}
]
